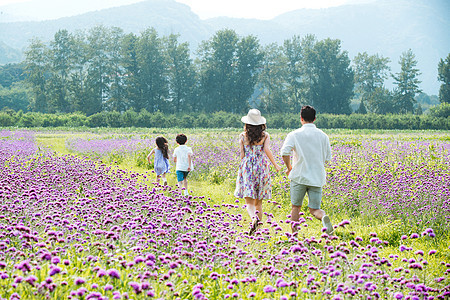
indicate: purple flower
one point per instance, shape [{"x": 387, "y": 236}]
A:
[
  {"x": 136, "y": 287},
  {"x": 55, "y": 260},
  {"x": 54, "y": 271},
  {"x": 101, "y": 273},
  {"x": 413, "y": 236},
  {"x": 114, "y": 273},
  {"x": 24, "y": 266},
  {"x": 79, "y": 281},
  {"x": 269, "y": 289},
  {"x": 398, "y": 295},
  {"x": 31, "y": 279}
]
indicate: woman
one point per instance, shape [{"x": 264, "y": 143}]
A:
[{"x": 253, "y": 180}]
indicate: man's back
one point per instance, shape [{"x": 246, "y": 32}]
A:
[{"x": 312, "y": 149}]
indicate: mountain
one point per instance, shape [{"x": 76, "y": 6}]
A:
[
  {"x": 385, "y": 27},
  {"x": 166, "y": 16}
]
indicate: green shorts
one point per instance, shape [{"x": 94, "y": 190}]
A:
[{"x": 298, "y": 192}]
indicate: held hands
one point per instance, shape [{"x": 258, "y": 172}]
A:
[
  {"x": 288, "y": 171},
  {"x": 277, "y": 167}
]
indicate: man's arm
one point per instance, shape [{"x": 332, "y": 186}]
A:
[
  {"x": 286, "y": 151},
  {"x": 287, "y": 162}
]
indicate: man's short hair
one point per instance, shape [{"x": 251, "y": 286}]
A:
[
  {"x": 308, "y": 113},
  {"x": 181, "y": 139}
]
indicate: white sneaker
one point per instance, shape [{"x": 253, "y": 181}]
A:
[
  {"x": 185, "y": 193},
  {"x": 327, "y": 224}
]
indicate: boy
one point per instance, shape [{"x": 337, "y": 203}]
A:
[{"x": 182, "y": 156}]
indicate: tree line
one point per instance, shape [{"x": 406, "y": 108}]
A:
[
  {"x": 437, "y": 119},
  {"x": 107, "y": 70}
]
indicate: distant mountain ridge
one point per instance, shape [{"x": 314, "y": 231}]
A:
[{"x": 385, "y": 27}]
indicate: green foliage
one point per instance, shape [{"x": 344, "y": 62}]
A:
[
  {"x": 437, "y": 119},
  {"x": 407, "y": 83},
  {"x": 10, "y": 74},
  {"x": 16, "y": 97},
  {"x": 441, "y": 111},
  {"x": 228, "y": 66},
  {"x": 330, "y": 80},
  {"x": 444, "y": 77}
]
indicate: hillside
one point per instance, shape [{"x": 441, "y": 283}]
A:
[{"x": 384, "y": 27}]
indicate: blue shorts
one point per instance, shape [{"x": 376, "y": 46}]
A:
[
  {"x": 298, "y": 192},
  {"x": 181, "y": 175}
]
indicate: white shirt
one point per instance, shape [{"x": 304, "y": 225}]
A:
[
  {"x": 181, "y": 153},
  {"x": 311, "y": 149}
]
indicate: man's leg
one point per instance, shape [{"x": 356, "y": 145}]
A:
[
  {"x": 295, "y": 216},
  {"x": 297, "y": 194},
  {"x": 315, "y": 201}
]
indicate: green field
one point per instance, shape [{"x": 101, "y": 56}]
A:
[{"x": 387, "y": 194}]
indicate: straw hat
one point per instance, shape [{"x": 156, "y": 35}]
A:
[{"x": 253, "y": 118}]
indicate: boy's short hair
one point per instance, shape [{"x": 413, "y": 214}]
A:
[
  {"x": 181, "y": 139},
  {"x": 308, "y": 113}
]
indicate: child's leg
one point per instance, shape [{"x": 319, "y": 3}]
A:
[
  {"x": 157, "y": 179},
  {"x": 163, "y": 176},
  {"x": 184, "y": 184}
]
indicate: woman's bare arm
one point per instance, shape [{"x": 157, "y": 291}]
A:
[
  {"x": 269, "y": 153},
  {"x": 241, "y": 146}
]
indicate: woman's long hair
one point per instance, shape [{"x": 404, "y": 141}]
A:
[
  {"x": 255, "y": 133},
  {"x": 161, "y": 142}
]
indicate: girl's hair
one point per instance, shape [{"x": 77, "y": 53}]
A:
[
  {"x": 161, "y": 142},
  {"x": 255, "y": 133}
]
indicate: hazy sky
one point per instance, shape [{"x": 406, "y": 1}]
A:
[{"x": 260, "y": 9}]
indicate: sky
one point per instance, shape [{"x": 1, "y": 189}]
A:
[{"x": 258, "y": 9}]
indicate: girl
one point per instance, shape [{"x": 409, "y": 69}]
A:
[
  {"x": 161, "y": 164},
  {"x": 253, "y": 180}
]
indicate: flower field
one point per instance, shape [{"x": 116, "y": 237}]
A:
[{"x": 92, "y": 225}]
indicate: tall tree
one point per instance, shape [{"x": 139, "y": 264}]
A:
[
  {"x": 407, "y": 83},
  {"x": 249, "y": 57},
  {"x": 294, "y": 55},
  {"x": 36, "y": 69},
  {"x": 78, "y": 82},
  {"x": 131, "y": 70},
  {"x": 272, "y": 79},
  {"x": 61, "y": 53},
  {"x": 152, "y": 77},
  {"x": 444, "y": 76},
  {"x": 98, "y": 71},
  {"x": 370, "y": 73},
  {"x": 116, "y": 100},
  {"x": 331, "y": 78},
  {"x": 181, "y": 74},
  {"x": 218, "y": 60},
  {"x": 228, "y": 66}
]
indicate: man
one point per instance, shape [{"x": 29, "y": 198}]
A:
[{"x": 311, "y": 149}]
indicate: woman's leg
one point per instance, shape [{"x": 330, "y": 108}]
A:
[
  {"x": 259, "y": 211},
  {"x": 250, "y": 207}
]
